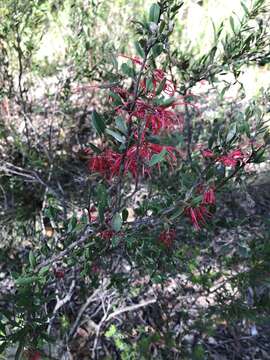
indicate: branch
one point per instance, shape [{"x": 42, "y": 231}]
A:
[
  {"x": 60, "y": 303},
  {"x": 84, "y": 237},
  {"x": 130, "y": 308}
]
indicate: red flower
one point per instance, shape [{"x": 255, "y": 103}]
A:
[
  {"x": 207, "y": 153},
  {"x": 107, "y": 234},
  {"x": 98, "y": 164},
  {"x": 232, "y": 158},
  {"x": 158, "y": 76},
  {"x": 236, "y": 154},
  {"x": 227, "y": 161},
  {"x": 209, "y": 196},
  {"x": 197, "y": 215},
  {"x": 169, "y": 87},
  {"x": 158, "y": 118},
  {"x": 142, "y": 154},
  {"x": 59, "y": 273},
  {"x": 167, "y": 237},
  {"x": 108, "y": 163},
  {"x": 134, "y": 59}
]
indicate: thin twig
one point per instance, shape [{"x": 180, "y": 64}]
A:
[
  {"x": 83, "y": 308},
  {"x": 130, "y": 308},
  {"x": 60, "y": 303}
]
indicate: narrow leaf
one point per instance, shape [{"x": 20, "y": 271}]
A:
[
  {"x": 121, "y": 125},
  {"x": 95, "y": 148},
  {"x": 26, "y": 280},
  {"x": 125, "y": 214},
  {"x": 117, "y": 222},
  {"x": 98, "y": 123},
  {"x": 32, "y": 259},
  {"x": 154, "y": 13},
  {"x": 127, "y": 70},
  {"x": 139, "y": 49},
  {"x": 116, "y": 135},
  {"x": 231, "y": 134},
  {"x": 157, "y": 158},
  {"x": 245, "y": 8},
  {"x": 232, "y": 24}
]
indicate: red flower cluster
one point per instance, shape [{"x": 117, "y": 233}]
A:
[
  {"x": 157, "y": 78},
  {"x": 197, "y": 215},
  {"x": 158, "y": 118},
  {"x": 167, "y": 237},
  {"x": 231, "y": 159},
  {"x": 109, "y": 162},
  {"x": 207, "y": 153},
  {"x": 59, "y": 273},
  {"x": 107, "y": 234},
  {"x": 209, "y": 196}
]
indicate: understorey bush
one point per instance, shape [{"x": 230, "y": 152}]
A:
[{"x": 169, "y": 145}]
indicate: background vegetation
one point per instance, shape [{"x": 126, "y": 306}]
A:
[{"x": 115, "y": 267}]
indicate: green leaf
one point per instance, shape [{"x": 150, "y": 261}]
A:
[
  {"x": 175, "y": 9},
  {"x": 259, "y": 156},
  {"x": 245, "y": 8},
  {"x": 245, "y": 128},
  {"x": 164, "y": 102},
  {"x": 149, "y": 85},
  {"x": 231, "y": 133},
  {"x": 139, "y": 49},
  {"x": 160, "y": 86},
  {"x": 43, "y": 271},
  {"x": 266, "y": 137},
  {"x": 72, "y": 224},
  {"x": 177, "y": 213},
  {"x": 196, "y": 200},
  {"x": 222, "y": 93},
  {"x": 32, "y": 259},
  {"x": 116, "y": 135},
  {"x": 157, "y": 50},
  {"x": 2, "y": 328},
  {"x": 115, "y": 241},
  {"x": 121, "y": 125},
  {"x": 102, "y": 198},
  {"x": 198, "y": 353},
  {"x": 232, "y": 24},
  {"x": 117, "y": 222},
  {"x": 95, "y": 149},
  {"x": 116, "y": 97},
  {"x": 127, "y": 70},
  {"x": 162, "y": 26},
  {"x": 98, "y": 123},
  {"x": 154, "y": 13},
  {"x": 111, "y": 332},
  {"x": 157, "y": 158},
  {"x": 26, "y": 280},
  {"x": 125, "y": 215}
]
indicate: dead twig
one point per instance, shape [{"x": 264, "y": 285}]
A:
[{"x": 60, "y": 303}]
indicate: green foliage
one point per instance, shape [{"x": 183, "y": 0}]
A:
[{"x": 123, "y": 236}]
